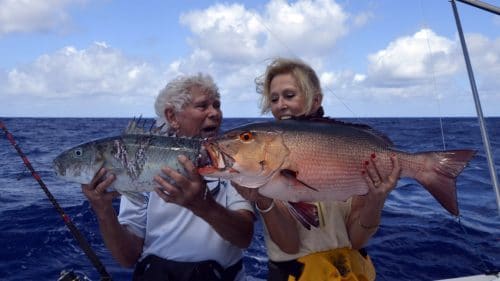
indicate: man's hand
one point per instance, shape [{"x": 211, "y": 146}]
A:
[
  {"x": 96, "y": 191},
  {"x": 189, "y": 191}
]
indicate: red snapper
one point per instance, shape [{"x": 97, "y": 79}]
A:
[{"x": 309, "y": 161}]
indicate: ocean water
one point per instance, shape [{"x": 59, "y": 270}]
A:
[{"x": 417, "y": 240}]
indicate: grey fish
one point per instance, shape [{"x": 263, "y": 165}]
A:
[{"x": 134, "y": 157}]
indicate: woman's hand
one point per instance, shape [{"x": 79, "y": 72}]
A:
[
  {"x": 379, "y": 186},
  {"x": 366, "y": 210}
]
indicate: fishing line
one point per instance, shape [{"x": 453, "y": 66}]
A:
[
  {"x": 67, "y": 220},
  {"x": 434, "y": 84},
  {"x": 293, "y": 54},
  {"x": 458, "y": 218},
  {"x": 481, "y": 260}
]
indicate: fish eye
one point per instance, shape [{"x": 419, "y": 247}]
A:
[
  {"x": 78, "y": 152},
  {"x": 246, "y": 136}
]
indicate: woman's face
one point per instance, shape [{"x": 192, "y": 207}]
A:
[{"x": 286, "y": 98}]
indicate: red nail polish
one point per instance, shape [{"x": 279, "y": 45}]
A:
[
  {"x": 373, "y": 155},
  {"x": 366, "y": 163},
  {"x": 363, "y": 172}
]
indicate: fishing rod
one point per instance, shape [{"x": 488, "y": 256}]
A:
[{"x": 67, "y": 220}]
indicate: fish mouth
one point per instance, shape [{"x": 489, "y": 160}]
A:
[{"x": 214, "y": 159}]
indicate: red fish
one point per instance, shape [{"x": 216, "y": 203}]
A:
[{"x": 305, "y": 161}]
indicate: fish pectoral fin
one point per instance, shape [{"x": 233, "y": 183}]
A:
[
  {"x": 291, "y": 176},
  {"x": 136, "y": 198},
  {"x": 306, "y": 213}
]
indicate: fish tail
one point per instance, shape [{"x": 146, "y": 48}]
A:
[{"x": 439, "y": 173}]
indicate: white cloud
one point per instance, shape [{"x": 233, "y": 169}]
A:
[
  {"x": 69, "y": 72},
  {"x": 235, "y": 44},
  {"x": 423, "y": 68},
  {"x": 306, "y": 27},
  {"x": 340, "y": 80},
  {"x": 33, "y": 15},
  {"x": 413, "y": 59},
  {"x": 232, "y": 33},
  {"x": 226, "y": 32},
  {"x": 425, "y": 62}
]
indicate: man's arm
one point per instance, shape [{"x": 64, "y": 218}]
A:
[
  {"x": 125, "y": 247},
  {"x": 234, "y": 226},
  {"x": 190, "y": 192}
]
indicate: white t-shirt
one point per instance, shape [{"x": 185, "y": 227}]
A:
[{"x": 175, "y": 233}]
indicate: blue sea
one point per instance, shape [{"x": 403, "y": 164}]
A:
[{"x": 417, "y": 240}]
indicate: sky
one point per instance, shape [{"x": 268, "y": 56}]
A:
[{"x": 375, "y": 58}]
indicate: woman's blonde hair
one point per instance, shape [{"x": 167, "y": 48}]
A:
[{"x": 306, "y": 78}]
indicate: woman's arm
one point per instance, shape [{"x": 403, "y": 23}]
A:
[
  {"x": 280, "y": 224},
  {"x": 366, "y": 210}
]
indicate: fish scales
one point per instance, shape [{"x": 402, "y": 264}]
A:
[
  {"x": 149, "y": 154},
  {"x": 340, "y": 151},
  {"x": 298, "y": 160},
  {"x": 345, "y": 151},
  {"x": 133, "y": 158}
]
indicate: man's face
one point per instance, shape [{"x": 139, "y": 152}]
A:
[{"x": 201, "y": 117}]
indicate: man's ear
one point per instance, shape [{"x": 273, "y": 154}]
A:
[{"x": 171, "y": 118}]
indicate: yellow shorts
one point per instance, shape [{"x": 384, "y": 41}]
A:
[{"x": 343, "y": 264}]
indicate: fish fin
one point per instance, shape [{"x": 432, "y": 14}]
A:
[
  {"x": 133, "y": 127},
  {"x": 137, "y": 126},
  {"x": 292, "y": 176},
  {"x": 135, "y": 197},
  {"x": 305, "y": 213},
  {"x": 439, "y": 177},
  {"x": 286, "y": 187}
]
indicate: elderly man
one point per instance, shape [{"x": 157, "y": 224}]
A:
[{"x": 192, "y": 228}]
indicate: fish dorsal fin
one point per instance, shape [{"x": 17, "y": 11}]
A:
[
  {"x": 137, "y": 126},
  {"x": 327, "y": 120}
]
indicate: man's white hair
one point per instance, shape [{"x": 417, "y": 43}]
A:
[{"x": 177, "y": 94}]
